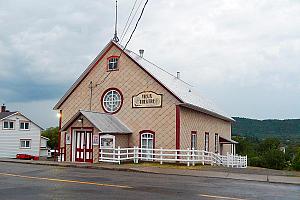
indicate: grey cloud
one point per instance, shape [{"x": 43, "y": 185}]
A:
[{"x": 225, "y": 48}]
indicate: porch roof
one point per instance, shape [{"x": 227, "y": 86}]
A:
[
  {"x": 227, "y": 141},
  {"x": 105, "y": 122}
]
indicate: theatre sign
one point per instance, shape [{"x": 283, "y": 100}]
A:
[{"x": 147, "y": 99}]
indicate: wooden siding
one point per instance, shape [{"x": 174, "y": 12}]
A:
[
  {"x": 192, "y": 120},
  {"x": 130, "y": 79},
  {"x": 10, "y": 139}
]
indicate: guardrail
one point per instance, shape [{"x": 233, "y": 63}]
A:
[{"x": 188, "y": 156}]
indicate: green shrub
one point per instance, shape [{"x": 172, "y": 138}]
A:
[
  {"x": 273, "y": 159},
  {"x": 255, "y": 161},
  {"x": 296, "y": 165}
]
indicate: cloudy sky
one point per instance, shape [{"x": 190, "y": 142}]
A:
[{"x": 243, "y": 55}]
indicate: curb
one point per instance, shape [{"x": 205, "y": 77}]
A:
[{"x": 149, "y": 172}]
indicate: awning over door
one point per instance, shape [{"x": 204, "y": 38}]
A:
[
  {"x": 104, "y": 122},
  {"x": 227, "y": 141}
]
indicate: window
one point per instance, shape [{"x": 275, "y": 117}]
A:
[
  {"x": 24, "y": 125},
  {"x": 147, "y": 144},
  {"x": 216, "y": 143},
  {"x": 8, "y": 125},
  {"x": 206, "y": 142},
  {"x": 194, "y": 140},
  {"x": 25, "y": 144},
  {"x": 112, "y": 100},
  {"x": 113, "y": 63}
]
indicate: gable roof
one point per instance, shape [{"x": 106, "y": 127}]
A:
[
  {"x": 184, "y": 92},
  {"x": 106, "y": 123},
  {"x": 5, "y": 115}
]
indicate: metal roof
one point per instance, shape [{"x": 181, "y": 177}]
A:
[
  {"x": 106, "y": 123},
  {"x": 186, "y": 93},
  {"x": 227, "y": 141}
]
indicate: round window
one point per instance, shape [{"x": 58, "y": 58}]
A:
[{"x": 112, "y": 100}]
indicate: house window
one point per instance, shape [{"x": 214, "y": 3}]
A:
[
  {"x": 113, "y": 63},
  {"x": 206, "y": 142},
  {"x": 147, "y": 144},
  {"x": 24, "y": 125},
  {"x": 194, "y": 140},
  {"x": 112, "y": 100},
  {"x": 216, "y": 143},
  {"x": 25, "y": 144},
  {"x": 8, "y": 125}
]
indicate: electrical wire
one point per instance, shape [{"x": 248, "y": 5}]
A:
[
  {"x": 128, "y": 18},
  {"x": 136, "y": 24},
  {"x": 131, "y": 20}
]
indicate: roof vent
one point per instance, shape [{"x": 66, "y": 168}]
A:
[
  {"x": 3, "y": 108},
  {"x": 178, "y": 75},
  {"x": 142, "y": 52}
]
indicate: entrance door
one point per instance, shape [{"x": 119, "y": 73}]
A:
[
  {"x": 84, "y": 148},
  {"x": 147, "y": 145}
]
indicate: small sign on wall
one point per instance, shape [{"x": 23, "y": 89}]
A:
[
  {"x": 147, "y": 99},
  {"x": 95, "y": 139},
  {"x": 68, "y": 138}
]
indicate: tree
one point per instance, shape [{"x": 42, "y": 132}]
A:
[
  {"x": 273, "y": 159},
  {"x": 52, "y": 134}
]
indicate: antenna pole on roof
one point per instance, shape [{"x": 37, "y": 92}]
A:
[{"x": 116, "y": 39}]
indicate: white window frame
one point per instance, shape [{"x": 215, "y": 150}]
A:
[
  {"x": 112, "y": 101},
  {"x": 25, "y": 122},
  {"x": 206, "y": 141},
  {"x": 114, "y": 62},
  {"x": 25, "y": 140},
  {"x": 217, "y": 143},
  {"x": 194, "y": 140},
  {"x": 147, "y": 152},
  {"x": 9, "y": 123}
]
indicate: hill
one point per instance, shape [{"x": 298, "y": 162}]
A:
[{"x": 288, "y": 129}]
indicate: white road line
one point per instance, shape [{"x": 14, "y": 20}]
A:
[{"x": 219, "y": 197}]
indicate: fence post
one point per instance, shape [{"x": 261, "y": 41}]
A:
[
  {"x": 119, "y": 160},
  {"x": 161, "y": 162},
  {"x": 188, "y": 157},
  {"x": 203, "y": 157},
  {"x": 193, "y": 156},
  {"x": 127, "y": 154},
  {"x": 134, "y": 155},
  {"x": 211, "y": 158},
  {"x": 227, "y": 155}
]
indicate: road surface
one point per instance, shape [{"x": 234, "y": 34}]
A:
[{"x": 30, "y": 182}]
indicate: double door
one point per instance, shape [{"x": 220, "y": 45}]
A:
[{"x": 84, "y": 147}]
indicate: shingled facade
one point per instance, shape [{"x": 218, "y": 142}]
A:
[{"x": 122, "y": 99}]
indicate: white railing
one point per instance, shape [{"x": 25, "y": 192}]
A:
[{"x": 188, "y": 156}]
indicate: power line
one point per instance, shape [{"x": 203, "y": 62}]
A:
[
  {"x": 128, "y": 18},
  {"x": 131, "y": 20},
  {"x": 136, "y": 24}
]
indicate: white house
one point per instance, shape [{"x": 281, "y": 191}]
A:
[{"x": 20, "y": 135}]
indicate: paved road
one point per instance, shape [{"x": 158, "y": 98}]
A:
[{"x": 29, "y": 182}]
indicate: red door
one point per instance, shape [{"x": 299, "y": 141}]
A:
[{"x": 84, "y": 147}]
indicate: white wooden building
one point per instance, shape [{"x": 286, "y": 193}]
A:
[{"x": 20, "y": 135}]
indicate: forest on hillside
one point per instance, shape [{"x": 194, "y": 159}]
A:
[{"x": 285, "y": 130}]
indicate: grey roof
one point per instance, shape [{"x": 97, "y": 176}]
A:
[
  {"x": 186, "y": 93},
  {"x": 227, "y": 141},
  {"x": 105, "y": 122},
  {"x": 6, "y": 114}
]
